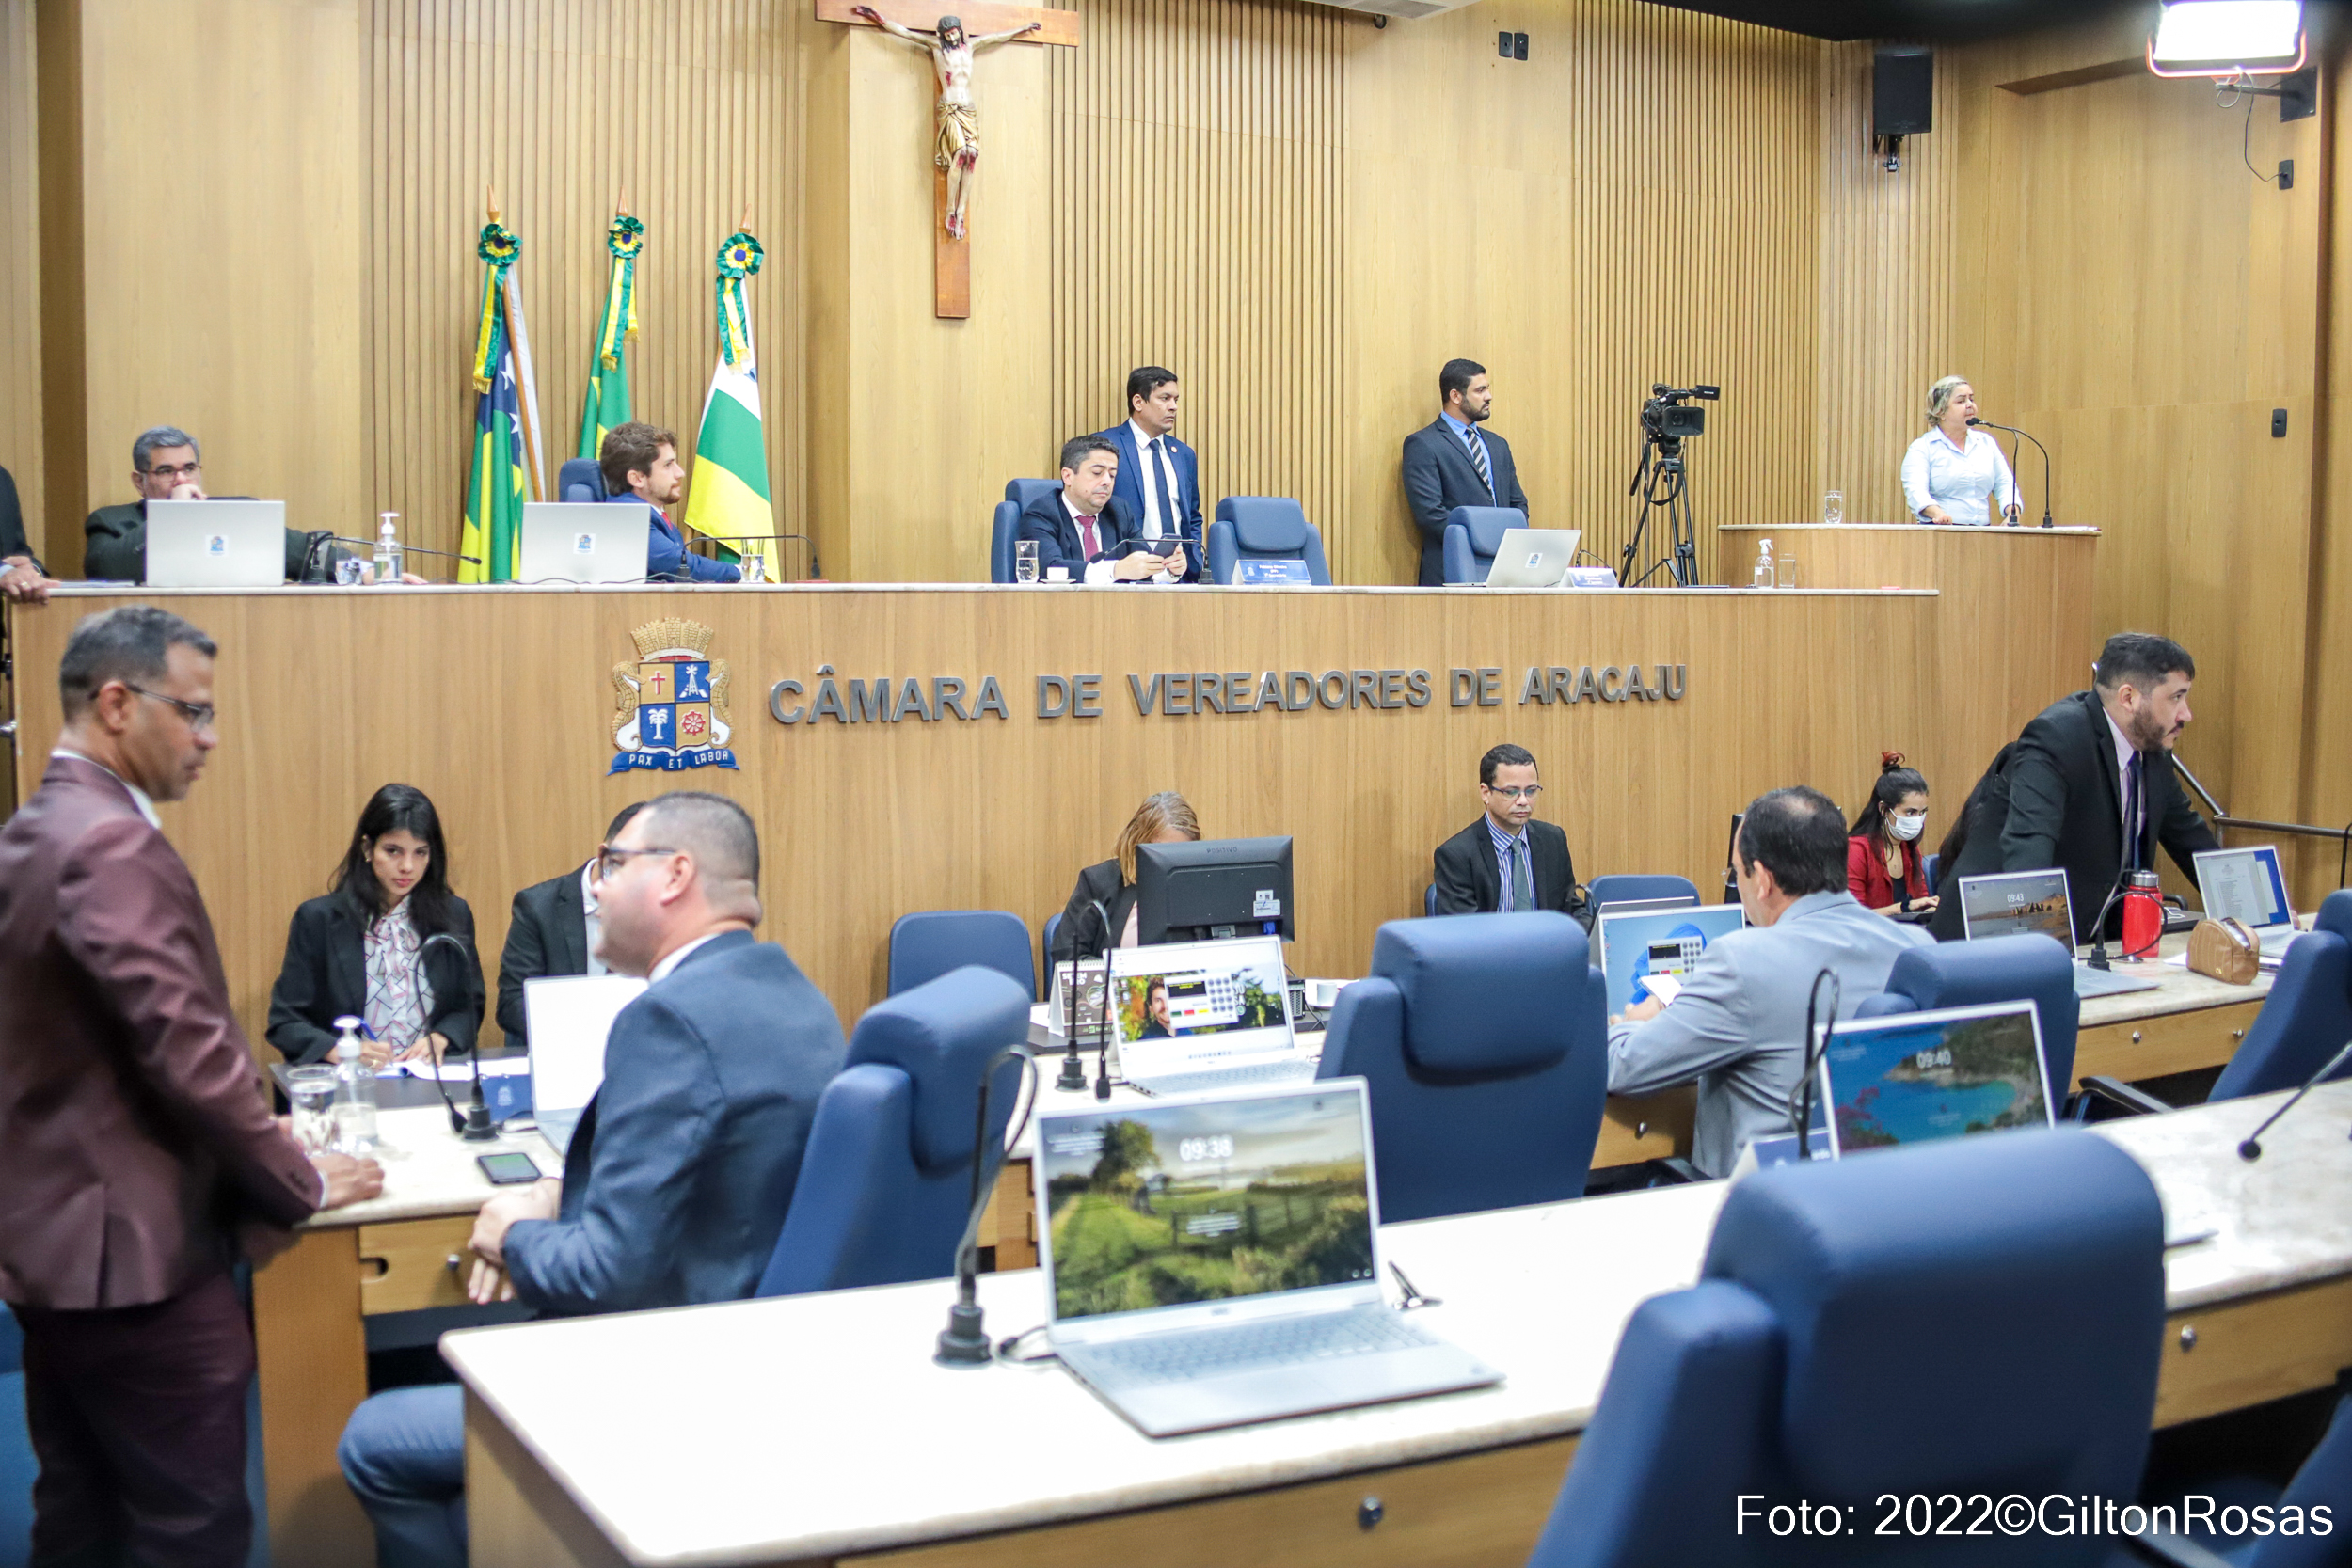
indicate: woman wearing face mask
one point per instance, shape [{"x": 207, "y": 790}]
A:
[
  {"x": 356, "y": 951},
  {"x": 1883, "y": 866}
]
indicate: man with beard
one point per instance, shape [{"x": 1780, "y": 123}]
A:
[
  {"x": 641, "y": 465},
  {"x": 1451, "y": 462}
]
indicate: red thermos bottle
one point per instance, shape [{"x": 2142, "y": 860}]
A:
[{"x": 2143, "y": 914}]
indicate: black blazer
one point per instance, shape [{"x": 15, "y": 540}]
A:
[
  {"x": 1081, "y": 929},
  {"x": 115, "y": 546},
  {"x": 325, "y": 977},
  {"x": 1438, "y": 477},
  {"x": 1469, "y": 881},
  {"x": 12, "y": 540},
  {"x": 2053, "y": 798},
  {"x": 1047, "y": 521},
  {"x": 547, "y": 934}
]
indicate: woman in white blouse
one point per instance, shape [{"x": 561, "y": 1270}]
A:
[{"x": 1952, "y": 470}]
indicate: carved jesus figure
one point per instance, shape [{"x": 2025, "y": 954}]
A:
[{"x": 957, "y": 146}]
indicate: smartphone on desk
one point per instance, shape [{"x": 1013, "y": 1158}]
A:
[{"x": 508, "y": 1170}]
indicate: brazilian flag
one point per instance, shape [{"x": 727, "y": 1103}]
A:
[
  {"x": 495, "y": 492},
  {"x": 606, "y": 404}
]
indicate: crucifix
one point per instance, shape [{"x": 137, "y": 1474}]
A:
[{"x": 956, "y": 138}]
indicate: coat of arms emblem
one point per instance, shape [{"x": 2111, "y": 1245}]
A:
[{"x": 672, "y": 701}]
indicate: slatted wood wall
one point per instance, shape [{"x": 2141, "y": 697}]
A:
[
  {"x": 19, "y": 277},
  {"x": 691, "y": 111}
]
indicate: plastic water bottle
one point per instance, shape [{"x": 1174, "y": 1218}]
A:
[
  {"x": 355, "y": 1092},
  {"x": 1764, "y": 565},
  {"x": 388, "y": 547}
]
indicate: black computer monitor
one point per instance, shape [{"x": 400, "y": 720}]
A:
[
  {"x": 1731, "y": 859},
  {"x": 1216, "y": 888}
]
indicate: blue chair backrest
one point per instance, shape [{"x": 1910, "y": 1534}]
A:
[
  {"x": 885, "y": 1185},
  {"x": 1002, "y": 530},
  {"x": 1472, "y": 534},
  {"x": 580, "y": 480},
  {"x": 1932, "y": 869},
  {"x": 1022, "y": 491},
  {"x": 2031, "y": 968},
  {"x": 926, "y": 946},
  {"x": 1624, "y": 887},
  {"x": 1484, "y": 1041},
  {"x": 2307, "y": 1018},
  {"x": 1429, "y": 901},
  {"x": 18, "y": 1466},
  {"x": 2323, "y": 1482},
  {"x": 1984, "y": 1315},
  {"x": 1263, "y": 528}
]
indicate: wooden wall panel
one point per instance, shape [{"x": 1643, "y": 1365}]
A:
[
  {"x": 1195, "y": 161},
  {"x": 20, "y": 267},
  {"x": 1637, "y": 201},
  {"x": 692, "y": 112}
]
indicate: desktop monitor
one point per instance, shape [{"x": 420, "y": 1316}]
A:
[{"x": 1213, "y": 889}]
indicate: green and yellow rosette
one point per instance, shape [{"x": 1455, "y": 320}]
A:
[
  {"x": 739, "y": 259},
  {"x": 624, "y": 237},
  {"x": 498, "y": 248}
]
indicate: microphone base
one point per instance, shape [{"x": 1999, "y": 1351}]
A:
[
  {"x": 963, "y": 1342},
  {"x": 1073, "y": 1071},
  {"x": 478, "y": 1129},
  {"x": 2249, "y": 1150}
]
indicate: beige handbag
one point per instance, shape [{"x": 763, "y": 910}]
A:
[{"x": 2225, "y": 950}]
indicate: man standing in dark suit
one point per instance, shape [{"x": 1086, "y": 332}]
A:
[
  {"x": 1088, "y": 530},
  {"x": 549, "y": 933},
  {"x": 2089, "y": 787},
  {"x": 678, "y": 1178},
  {"x": 1507, "y": 861},
  {"x": 1453, "y": 463},
  {"x": 135, "y": 1147},
  {"x": 1159, "y": 477}
]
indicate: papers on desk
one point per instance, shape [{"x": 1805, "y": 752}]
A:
[{"x": 458, "y": 1071}]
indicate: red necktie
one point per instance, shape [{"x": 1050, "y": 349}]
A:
[{"x": 1086, "y": 534}]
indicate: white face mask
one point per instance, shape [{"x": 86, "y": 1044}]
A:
[{"x": 1906, "y": 827}]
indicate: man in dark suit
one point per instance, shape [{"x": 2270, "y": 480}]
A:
[
  {"x": 641, "y": 467},
  {"x": 1159, "y": 477},
  {"x": 166, "y": 465},
  {"x": 1088, "y": 531},
  {"x": 2087, "y": 766},
  {"x": 1506, "y": 860},
  {"x": 1453, "y": 463},
  {"x": 22, "y": 579},
  {"x": 134, "y": 1146},
  {"x": 678, "y": 1177},
  {"x": 547, "y": 933}
]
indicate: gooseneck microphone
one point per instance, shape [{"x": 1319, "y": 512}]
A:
[
  {"x": 473, "y": 1126},
  {"x": 1074, "y": 1072},
  {"x": 2252, "y": 1148},
  {"x": 963, "y": 1342},
  {"x": 2046, "y": 462},
  {"x": 1801, "y": 1112},
  {"x": 1103, "y": 1029}
]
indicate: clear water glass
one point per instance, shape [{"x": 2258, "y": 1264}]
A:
[
  {"x": 312, "y": 1090},
  {"x": 1834, "y": 507},
  {"x": 1025, "y": 560},
  {"x": 1786, "y": 572},
  {"x": 350, "y": 572},
  {"x": 755, "y": 568}
]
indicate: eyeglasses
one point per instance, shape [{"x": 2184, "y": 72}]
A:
[
  {"x": 609, "y": 860},
  {"x": 1528, "y": 794},
  {"x": 175, "y": 472},
  {"x": 198, "y": 715}
]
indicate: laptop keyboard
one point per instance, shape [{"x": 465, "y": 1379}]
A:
[
  {"x": 1283, "y": 1071},
  {"x": 1247, "y": 1347}
]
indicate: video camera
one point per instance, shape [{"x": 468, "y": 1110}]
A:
[{"x": 1668, "y": 416}]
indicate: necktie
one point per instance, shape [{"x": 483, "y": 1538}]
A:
[
  {"x": 2133, "y": 799},
  {"x": 1167, "y": 490},
  {"x": 1522, "y": 881},
  {"x": 1478, "y": 459},
  {"x": 1087, "y": 539}
]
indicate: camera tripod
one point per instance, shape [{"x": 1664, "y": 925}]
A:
[{"x": 1663, "y": 486}]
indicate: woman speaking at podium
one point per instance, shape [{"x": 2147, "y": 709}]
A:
[{"x": 1952, "y": 471}]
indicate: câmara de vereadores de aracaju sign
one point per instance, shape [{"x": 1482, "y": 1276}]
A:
[{"x": 828, "y": 698}]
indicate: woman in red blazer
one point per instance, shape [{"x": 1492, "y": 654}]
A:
[{"x": 1883, "y": 866}]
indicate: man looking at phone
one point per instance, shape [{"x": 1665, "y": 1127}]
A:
[{"x": 1088, "y": 531}]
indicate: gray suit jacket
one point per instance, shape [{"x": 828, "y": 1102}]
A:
[{"x": 1737, "y": 1029}]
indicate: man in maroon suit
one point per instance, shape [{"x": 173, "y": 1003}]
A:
[{"x": 134, "y": 1145}]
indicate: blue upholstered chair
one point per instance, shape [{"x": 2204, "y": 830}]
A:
[
  {"x": 885, "y": 1186},
  {"x": 1982, "y": 1315},
  {"x": 926, "y": 946},
  {"x": 2323, "y": 1482},
  {"x": 2307, "y": 1018},
  {"x": 1932, "y": 869},
  {"x": 1472, "y": 534},
  {"x": 2032, "y": 968},
  {"x": 1627, "y": 887},
  {"x": 1263, "y": 528},
  {"x": 1006, "y": 528},
  {"x": 580, "y": 480},
  {"x": 17, "y": 1463},
  {"x": 1429, "y": 900},
  {"x": 1484, "y": 1041}
]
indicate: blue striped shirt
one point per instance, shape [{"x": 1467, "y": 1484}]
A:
[{"x": 1504, "y": 845}]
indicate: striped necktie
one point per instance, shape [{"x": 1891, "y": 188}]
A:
[{"x": 1478, "y": 458}]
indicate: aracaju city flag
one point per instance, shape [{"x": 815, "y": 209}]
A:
[
  {"x": 496, "y": 490},
  {"x": 728, "y": 498},
  {"x": 607, "y": 374}
]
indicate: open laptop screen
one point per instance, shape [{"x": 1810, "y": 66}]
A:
[
  {"x": 1660, "y": 942},
  {"x": 2016, "y": 902},
  {"x": 1198, "y": 1003},
  {"x": 2244, "y": 885},
  {"x": 1169, "y": 1205},
  {"x": 1918, "y": 1077}
]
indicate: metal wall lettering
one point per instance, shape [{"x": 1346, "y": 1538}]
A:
[{"x": 886, "y": 700}]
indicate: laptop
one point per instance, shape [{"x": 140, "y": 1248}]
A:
[
  {"x": 1194, "y": 1016},
  {"x": 1646, "y": 906},
  {"x": 215, "y": 544},
  {"x": 1657, "y": 942},
  {"x": 584, "y": 542},
  {"x": 1910, "y": 1078},
  {"x": 1533, "y": 557},
  {"x": 570, "y": 1017},
  {"x": 2247, "y": 885},
  {"x": 2013, "y": 903},
  {"x": 1216, "y": 1261}
]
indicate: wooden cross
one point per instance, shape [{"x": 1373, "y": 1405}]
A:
[{"x": 984, "y": 21}]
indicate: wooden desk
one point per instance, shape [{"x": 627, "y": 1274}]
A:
[
  {"x": 2189, "y": 1021},
  {"x": 817, "y": 1430}
]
